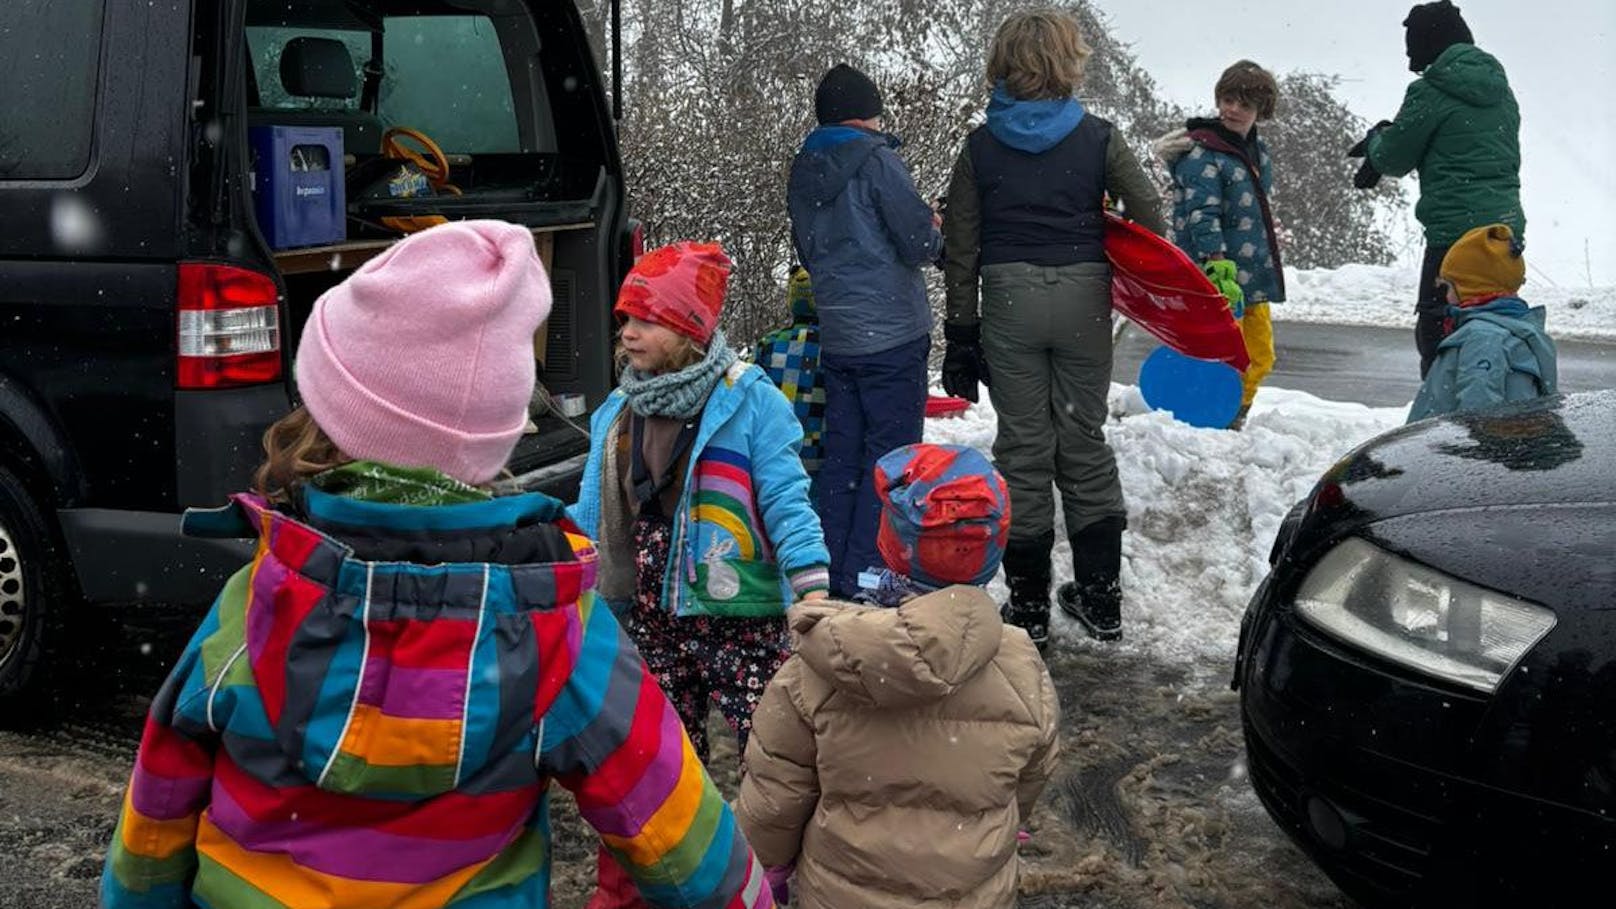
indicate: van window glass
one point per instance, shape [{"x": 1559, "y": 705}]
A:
[
  {"x": 442, "y": 75},
  {"x": 445, "y": 76},
  {"x": 50, "y": 54},
  {"x": 265, "y": 44}
]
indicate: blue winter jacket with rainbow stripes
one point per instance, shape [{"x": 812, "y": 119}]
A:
[{"x": 746, "y": 540}]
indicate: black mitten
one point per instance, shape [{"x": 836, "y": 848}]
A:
[
  {"x": 963, "y": 363},
  {"x": 1367, "y": 176},
  {"x": 1361, "y": 149}
]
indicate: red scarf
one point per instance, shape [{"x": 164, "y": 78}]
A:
[{"x": 1447, "y": 321}]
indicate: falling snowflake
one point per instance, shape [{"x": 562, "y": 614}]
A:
[{"x": 75, "y": 228}]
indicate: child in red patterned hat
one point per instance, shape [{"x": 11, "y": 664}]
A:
[
  {"x": 913, "y": 741},
  {"x": 699, "y": 500}
]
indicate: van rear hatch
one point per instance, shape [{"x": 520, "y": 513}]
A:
[{"x": 507, "y": 96}]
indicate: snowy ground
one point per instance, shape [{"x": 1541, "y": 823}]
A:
[
  {"x": 1384, "y": 296},
  {"x": 1203, "y": 509}
]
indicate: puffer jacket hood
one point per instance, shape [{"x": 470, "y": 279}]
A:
[
  {"x": 1470, "y": 74},
  {"x": 921, "y": 651},
  {"x": 895, "y": 755},
  {"x": 830, "y": 156}
]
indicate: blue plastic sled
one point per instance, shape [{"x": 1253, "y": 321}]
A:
[{"x": 1202, "y": 393}]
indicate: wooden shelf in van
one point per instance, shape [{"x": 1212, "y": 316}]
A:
[{"x": 351, "y": 255}]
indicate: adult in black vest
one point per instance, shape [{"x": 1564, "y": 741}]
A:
[{"x": 1024, "y": 238}]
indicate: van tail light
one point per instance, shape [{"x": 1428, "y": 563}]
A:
[
  {"x": 229, "y": 327},
  {"x": 636, "y": 241}
]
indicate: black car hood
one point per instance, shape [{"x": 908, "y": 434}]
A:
[{"x": 1559, "y": 450}]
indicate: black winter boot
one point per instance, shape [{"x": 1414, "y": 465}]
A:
[
  {"x": 1094, "y": 597},
  {"x": 1027, "y": 571}
]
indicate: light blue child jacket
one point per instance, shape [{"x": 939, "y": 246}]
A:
[
  {"x": 746, "y": 540},
  {"x": 1498, "y": 352}
]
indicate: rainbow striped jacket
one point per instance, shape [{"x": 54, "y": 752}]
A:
[{"x": 372, "y": 712}]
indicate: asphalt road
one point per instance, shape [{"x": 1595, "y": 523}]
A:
[{"x": 1374, "y": 366}]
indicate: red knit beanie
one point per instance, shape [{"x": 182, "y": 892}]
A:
[{"x": 679, "y": 287}]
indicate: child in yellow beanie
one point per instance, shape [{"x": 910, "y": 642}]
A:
[{"x": 1497, "y": 350}]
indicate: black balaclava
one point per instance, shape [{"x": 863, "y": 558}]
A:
[{"x": 1432, "y": 29}]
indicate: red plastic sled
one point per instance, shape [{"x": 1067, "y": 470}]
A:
[
  {"x": 940, "y": 406},
  {"x": 1159, "y": 288}
]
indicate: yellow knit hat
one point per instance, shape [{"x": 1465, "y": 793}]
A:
[{"x": 1486, "y": 261}]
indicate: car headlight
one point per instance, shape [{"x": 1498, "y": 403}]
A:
[{"x": 1419, "y": 618}]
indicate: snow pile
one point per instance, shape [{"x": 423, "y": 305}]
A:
[
  {"x": 1384, "y": 296},
  {"x": 1203, "y": 509}
]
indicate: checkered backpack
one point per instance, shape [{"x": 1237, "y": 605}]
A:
[{"x": 790, "y": 356}]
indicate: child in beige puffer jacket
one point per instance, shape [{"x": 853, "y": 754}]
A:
[{"x": 898, "y": 751}]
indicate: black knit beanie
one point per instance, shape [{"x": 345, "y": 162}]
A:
[
  {"x": 1432, "y": 29},
  {"x": 846, "y": 94}
]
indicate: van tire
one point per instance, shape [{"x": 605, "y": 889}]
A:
[{"x": 33, "y": 601}]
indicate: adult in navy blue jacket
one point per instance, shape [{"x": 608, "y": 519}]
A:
[{"x": 864, "y": 233}]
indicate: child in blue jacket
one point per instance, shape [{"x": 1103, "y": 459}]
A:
[
  {"x": 1497, "y": 350},
  {"x": 864, "y": 234},
  {"x": 697, "y": 498}
]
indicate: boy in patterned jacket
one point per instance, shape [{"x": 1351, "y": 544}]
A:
[
  {"x": 373, "y": 710},
  {"x": 1222, "y": 177}
]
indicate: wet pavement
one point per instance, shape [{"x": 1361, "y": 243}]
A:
[{"x": 1374, "y": 366}]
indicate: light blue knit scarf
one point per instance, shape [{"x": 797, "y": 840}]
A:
[{"x": 680, "y": 394}]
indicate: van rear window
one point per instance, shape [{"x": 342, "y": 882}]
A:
[
  {"x": 50, "y": 54},
  {"x": 442, "y": 75}
]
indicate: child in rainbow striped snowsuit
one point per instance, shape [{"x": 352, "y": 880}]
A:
[{"x": 373, "y": 710}]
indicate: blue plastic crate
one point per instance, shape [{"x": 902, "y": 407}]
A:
[{"x": 298, "y": 190}]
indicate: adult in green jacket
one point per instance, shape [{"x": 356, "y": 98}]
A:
[{"x": 1460, "y": 128}]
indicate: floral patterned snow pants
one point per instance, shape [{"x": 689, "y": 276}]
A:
[{"x": 699, "y": 660}]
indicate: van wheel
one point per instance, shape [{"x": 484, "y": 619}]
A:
[{"x": 31, "y": 603}]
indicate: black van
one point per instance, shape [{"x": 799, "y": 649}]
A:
[{"x": 147, "y": 328}]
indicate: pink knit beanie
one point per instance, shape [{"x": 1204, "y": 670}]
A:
[{"x": 424, "y": 356}]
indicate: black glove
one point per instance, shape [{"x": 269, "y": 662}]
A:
[
  {"x": 1362, "y": 148},
  {"x": 963, "y": 363},
  {"x": 1367, "y": 176}
]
